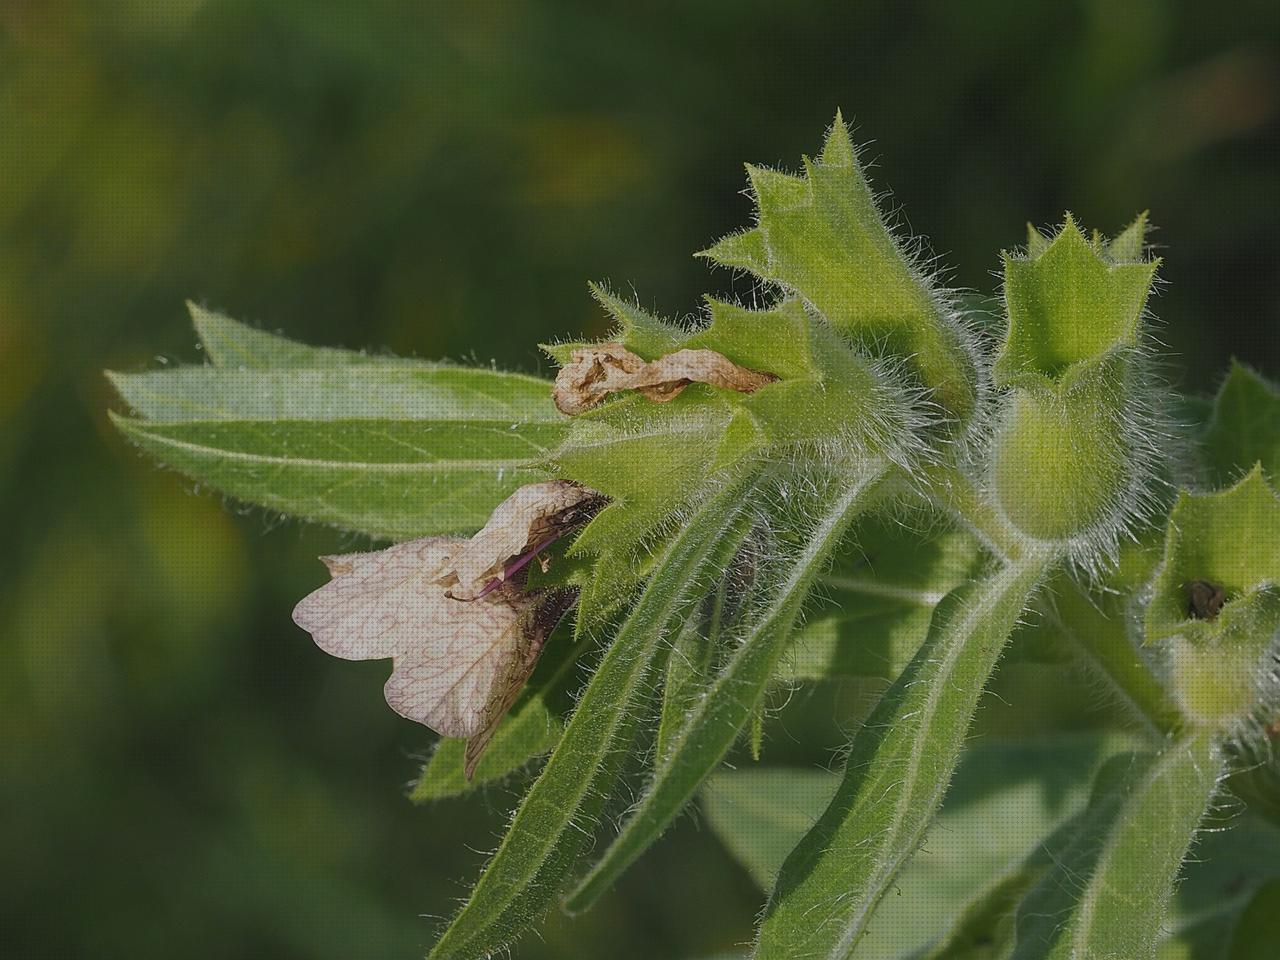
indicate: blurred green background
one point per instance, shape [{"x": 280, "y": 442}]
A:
[{"x": 181, "y": 771}]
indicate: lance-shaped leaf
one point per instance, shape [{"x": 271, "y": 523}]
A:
[
  {"x": 529, "y": 731},
  {"x": 388, "y": 390},
  {"x": 390, "y": 448},
  {"x": 897, "y": 773},
  {"x": 1257, "y": 931},
  {"x": 1108, "y": 894},
  {"x": 822, "y": 237},
  {"x": 555, "y": 817},
  {"x": 728, "y": 704},
  {"x": 876, "y": 603},
  {"x": 230, "y": 343},
  {"x": 394, "y": 479},
  {"x": 1244, "y": 427},
  {"x": 1028, "y": 788}
]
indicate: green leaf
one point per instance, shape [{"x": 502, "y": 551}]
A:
[
  {"x": 759, "y": 813},
  {"x": 1244, "y": 427},
  {"x": 1095, "y": 627},
  {"x": 1232, "y": 860},
  {"x": 524, "y": 734},
  {"x": 898, "y": 770},
  {"x": 1067, "y": 305},
  {"x": 878, "y": 601},
  {"x": 553, "y": 820},
  {"x": 982, "y": 930},
  {"x": 822, "y": 237},
  {"x": 722, "y": 712},
  {"x": 1257, "y": 933},
  {"x": 230, "y": 343},
  {"x": 1108, "y": 894},
  {"x": 1027, "y": 788},
  {"x": 688, "y": 665},
  {"x": 387, "y": 389},
  {"x": 386, "y": 478}
]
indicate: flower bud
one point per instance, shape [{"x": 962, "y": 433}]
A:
[{"x": 1073, "y": 448}]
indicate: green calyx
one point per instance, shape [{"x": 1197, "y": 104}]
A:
[
  {"x": 654, "y": 459},
  {"x": 1070, "y": 302},
  {"x": 1064, "y": 457},
  {"x": 821, "y": 236},
  {"x": 1216, "y": 598},
  {"x": 1057, "y": 472},
  {"x": 1227, "y": 539}
]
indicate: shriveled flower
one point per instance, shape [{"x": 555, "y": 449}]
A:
[
  {"x": 530, "y": 519},
  {"x": 461, "y": 650},
  {"x": 597, "y": 371}
]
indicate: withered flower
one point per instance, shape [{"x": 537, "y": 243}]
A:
[
  {"x": 463, "y": 635},
  {"x": 597, "y": 371}
]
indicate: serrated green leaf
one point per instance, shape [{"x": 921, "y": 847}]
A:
[
  {"x": 1067, "y": 305},
  {"x": 896, "y": 776},
  {"x": 387, "y": 389},
  {"x": 722, "y": 712},
  {"x": 823, "y": 238},
  {"x": 386, "y": 478},
  {"x": 1244, "y": 427},
  {"x": 552, "y": 822},
  {"x": 230, "y": 343},
  {"x": 1108, "y": 894},
  {"x": 877, "y": 602}
]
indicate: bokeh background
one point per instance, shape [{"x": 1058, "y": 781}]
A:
[{"x": 181, "y": 771}]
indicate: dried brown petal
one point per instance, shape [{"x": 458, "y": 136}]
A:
[
  {"x": 597, "y": 371},
  {"x": 531, "y": 516}
]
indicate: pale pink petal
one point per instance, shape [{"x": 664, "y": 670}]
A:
[{"x": 379, "y": 604}]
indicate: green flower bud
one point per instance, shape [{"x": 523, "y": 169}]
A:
[
  {"x": 1075, "y": 448},
  {"x": 1215, "y": 602}
]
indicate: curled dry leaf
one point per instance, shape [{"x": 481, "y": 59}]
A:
[
  {"x": 597, "y": 371},
  {"x": 458, "y": 663}
]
